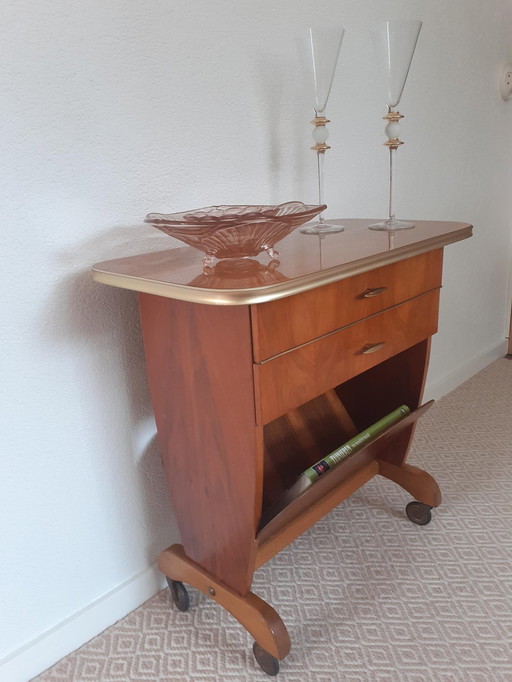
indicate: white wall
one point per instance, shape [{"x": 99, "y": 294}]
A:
[{"x": 110, "y": 110}]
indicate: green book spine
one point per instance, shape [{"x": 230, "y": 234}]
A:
[
  {"x": 337, "y": 456},
  {"x": 334, "y": 458}
]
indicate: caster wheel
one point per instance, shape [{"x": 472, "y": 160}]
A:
[
  {"x": 419, "y": 513},
  {"x": 266, "y": 661},
  {"x": 179, "y": 594}
]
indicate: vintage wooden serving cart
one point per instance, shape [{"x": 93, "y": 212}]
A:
[{"x": 257, "y": 370}]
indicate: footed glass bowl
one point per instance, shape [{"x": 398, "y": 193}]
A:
[{"x": 235, "y": 231}]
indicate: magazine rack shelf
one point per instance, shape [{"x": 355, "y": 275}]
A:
[
  {"x": 340, "y": 483},
  {"x": 253, "y": 383}
]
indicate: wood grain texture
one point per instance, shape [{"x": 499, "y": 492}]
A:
[
  {"x": 400, "y": 379},
  {"x": 321, "y": 499},
  {"x": 300, "y": 438},
  {"x": 289, "y": 380},
  {"x": 417, "y": 482},
  {"x": 319, "y": 311},
  {"x": 200, "y": 376},
  {"x": 256, "y": 616}
]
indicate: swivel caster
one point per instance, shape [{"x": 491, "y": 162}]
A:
[
  {"x": 266, "y": 661},
  {"x": 419, "y": 513},
  {"x": 179, "y": 594}
]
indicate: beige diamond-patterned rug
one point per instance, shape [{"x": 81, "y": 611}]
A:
[{"x": 366, "y": 595}]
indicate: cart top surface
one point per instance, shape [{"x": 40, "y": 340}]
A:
[{"x": 306, "y": 261}]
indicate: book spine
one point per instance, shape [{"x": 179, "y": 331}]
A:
[
  {"x": 337, "y": 456},
  {"x": 330, "y": 461}
]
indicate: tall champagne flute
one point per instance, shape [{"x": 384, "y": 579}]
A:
[
  {"x": 394, "y": 42},
  {"x": 324, "y": 44}
]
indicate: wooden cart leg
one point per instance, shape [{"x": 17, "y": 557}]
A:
[
  {"x": 254, "y": 614},
  {"x": 417, "y": 482}
]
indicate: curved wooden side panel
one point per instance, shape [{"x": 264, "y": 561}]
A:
[{"x": 199, "y": 362}]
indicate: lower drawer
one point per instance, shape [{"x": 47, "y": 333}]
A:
[{"x": 293, "y": 378}]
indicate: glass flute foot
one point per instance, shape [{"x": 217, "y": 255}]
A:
[
  {"x": 321, "y": 228},
  {"x": 391, "y": 225}
]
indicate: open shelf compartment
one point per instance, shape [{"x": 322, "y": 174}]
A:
[{"x": 303, "y": 436}]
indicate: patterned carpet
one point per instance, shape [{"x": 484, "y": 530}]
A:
[{"x": 367, "y": 596}]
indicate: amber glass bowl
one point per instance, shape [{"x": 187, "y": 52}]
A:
[{"x": 235, "y": 231}]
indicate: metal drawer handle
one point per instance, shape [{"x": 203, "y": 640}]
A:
[
  {"x": 370, "y": 293},
  {"x": 372, "y": 347}
]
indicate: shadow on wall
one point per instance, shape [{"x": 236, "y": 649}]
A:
[
  {"x": 104, "y": 321},
  {"x": 277, "y": 81},
  {"x": 156, "y": 502}
]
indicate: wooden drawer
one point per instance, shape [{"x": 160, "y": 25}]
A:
[
  {"x": 293, "y": 378},
  {"x": 289, "y": 322}
]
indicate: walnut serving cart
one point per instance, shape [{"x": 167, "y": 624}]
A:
[{"x": 257, "y": 370}]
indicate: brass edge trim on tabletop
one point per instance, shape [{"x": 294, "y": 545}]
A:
[{"x": 272, "y": 292}]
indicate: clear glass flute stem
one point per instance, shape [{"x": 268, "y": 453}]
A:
[
  {"x": 320, "y": 164},
  {"x": 392, "y": 161},
  {"x": 392, "y": 130},
  {"x": 321, "y": 226}
]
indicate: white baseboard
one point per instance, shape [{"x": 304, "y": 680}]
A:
[
  {"x": 44, "y": 651},
  {"x": 437, "y": 389}
]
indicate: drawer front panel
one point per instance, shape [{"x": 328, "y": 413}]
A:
[
  {"x": 289, "y": 322},
  {"x": 289, "y": 380}
]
